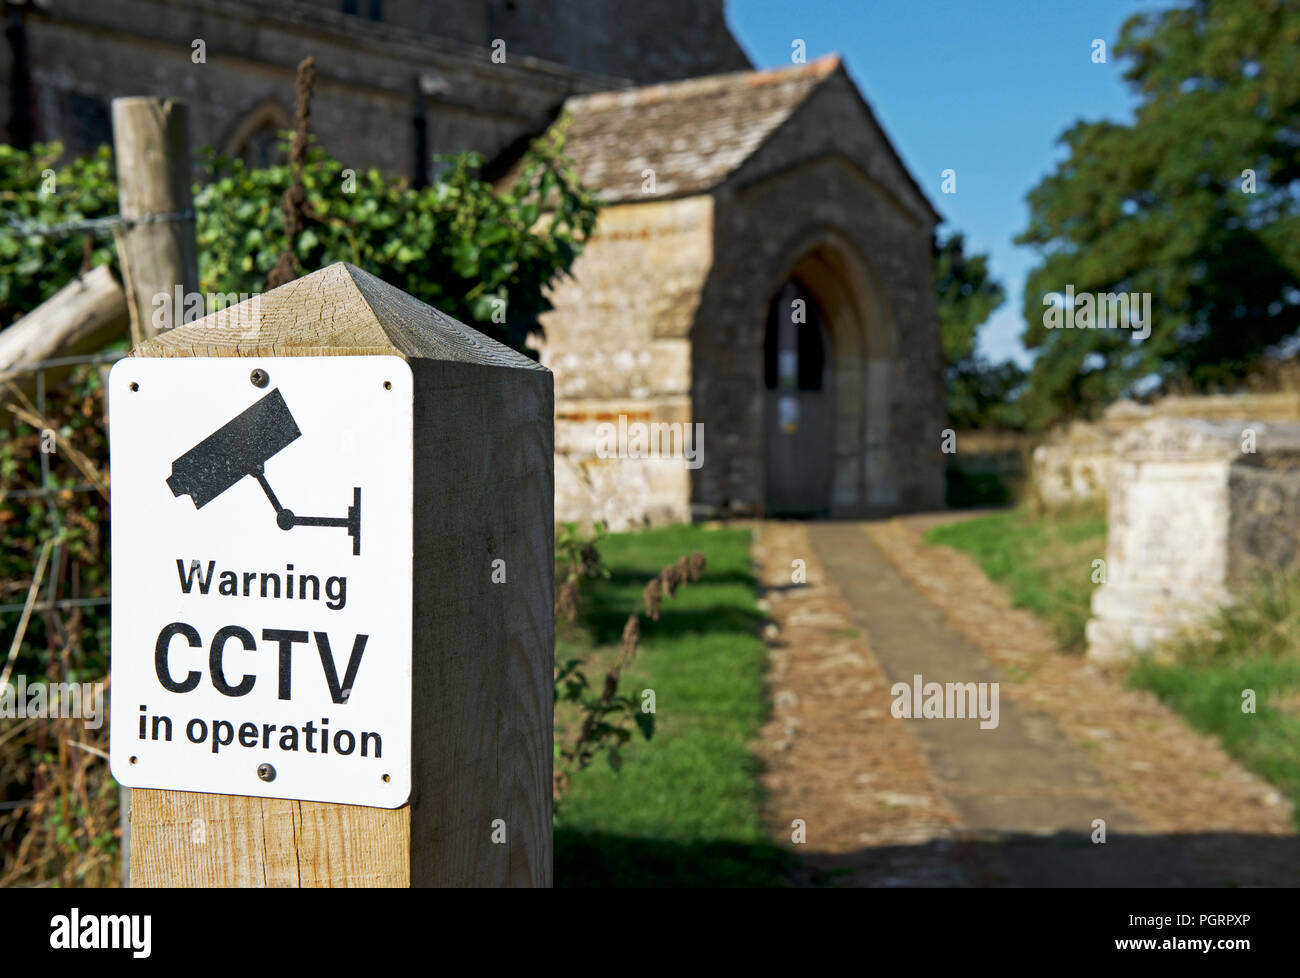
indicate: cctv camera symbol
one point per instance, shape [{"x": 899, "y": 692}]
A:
[{"x": 241, "y": 447}]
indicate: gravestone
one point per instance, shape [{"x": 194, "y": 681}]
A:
[{"x": 1195, "y": 509}]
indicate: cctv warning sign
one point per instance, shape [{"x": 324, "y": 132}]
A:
[{"x": 261, "y": 546}]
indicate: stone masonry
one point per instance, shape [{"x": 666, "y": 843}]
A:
[
  {"x": 1074, "y": 464},
  {"x": 757, "y": 177},
  {"x": 1196, "y": 508},
  {"x": 722, "y": 187}
]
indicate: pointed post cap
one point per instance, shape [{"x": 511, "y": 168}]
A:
[{"x": 340, "y": 310}]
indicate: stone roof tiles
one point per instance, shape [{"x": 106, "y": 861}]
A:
[{"x": 692, "y": 133}]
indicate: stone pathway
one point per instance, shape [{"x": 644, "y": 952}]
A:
[{"x": 886, "y": 801}]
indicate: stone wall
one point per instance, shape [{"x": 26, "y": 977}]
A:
[
  {"x": 459, "y": 20},
  {"x": 826, "y": 184},
  {"x": 662, "y": 40},
  {"x": 657, "y": 41},
  {"x": 682, "y": 338},
  {"x": 623, "y": 492},
  {"x": 84, "y": 53},
  {"x": 618, "y": 344},
  {"x": 1195, "y": 508},
  {"x": 1074, "y": 464}
]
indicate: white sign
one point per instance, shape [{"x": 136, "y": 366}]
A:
[{"x": 261, "y": 543}]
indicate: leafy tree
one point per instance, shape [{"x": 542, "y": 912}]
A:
[
  {"x": 967, "y": 296},
  {"x": 980, "y": 393},
  {"x": 1194, "y": 203}
]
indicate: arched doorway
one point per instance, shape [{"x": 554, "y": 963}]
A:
[
  {"x": 799, "y": 409},
  {"x": 836, "y": 460}
]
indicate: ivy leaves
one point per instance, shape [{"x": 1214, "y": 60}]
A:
[{"x": 483, "y": 254}]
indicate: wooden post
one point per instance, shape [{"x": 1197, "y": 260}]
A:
[
  {"x": 483, "y": 652},
  {"x": 80, "y": 318},
  {"x": 151, "y": 148}
]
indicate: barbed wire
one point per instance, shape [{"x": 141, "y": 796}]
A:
[{"x": 98, "y": 226}]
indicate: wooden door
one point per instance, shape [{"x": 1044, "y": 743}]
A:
[{"x": 799, "y": 405}]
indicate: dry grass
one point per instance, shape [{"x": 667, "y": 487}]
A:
[{"x": 66, "y": 832}]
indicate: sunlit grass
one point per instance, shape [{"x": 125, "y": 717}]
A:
[
  {"x": 1208, "y": 675},
  {"x": 684, "y": 808},
  {"x": 1044, "y": 560}
]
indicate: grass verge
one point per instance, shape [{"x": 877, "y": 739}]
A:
[
  {"x": 1208, "y": 676},
  {"x": 1045, "y": 561},
  {"x": 684, "y": 809}
]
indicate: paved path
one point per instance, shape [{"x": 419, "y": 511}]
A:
[{"x": 1014, "y": 805}]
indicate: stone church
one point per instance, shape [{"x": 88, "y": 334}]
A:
[{"x": 758, "y": 292}]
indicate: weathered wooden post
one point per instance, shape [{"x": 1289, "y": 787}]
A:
[
  {"x": 479, "y": 612},
  {"x": 159, "y": 253},
  {"x": 80, "y": 318}
]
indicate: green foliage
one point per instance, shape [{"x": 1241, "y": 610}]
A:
[
  {"x": 967, "y": 296},
  {"x": 1160, "y": 206},
  {"x": 964, "y": 489},
  {"x": 1254, "y": 645},
  {"x": 32, "y": 267},
  {"x": 63, "y": 828},
  {"x": 456, "y": 244},
  {"x": 985, "y": 395},
  {"x": 604, "y": 719},
  {"x": 76, "y": 521},
  {"x": 481, "y": 255},
  {"x": 980, "y": 394},
  {"x": 1043, "y": 559},
  {"x": 687, "y": 809}
]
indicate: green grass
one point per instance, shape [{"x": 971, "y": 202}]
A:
[
  {"x": 684, "y": 809},
  {"x": 1252, "y": 646},
  {"x": 1045, "y": 561}
]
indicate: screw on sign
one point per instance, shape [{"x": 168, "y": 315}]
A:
[{"x": 283, "y": 675}]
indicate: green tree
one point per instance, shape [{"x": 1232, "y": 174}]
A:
[
  {"x": 1194, "y": 203},
  {"x": 967, "y": 293},
  {"x": 980, "y": 393}
]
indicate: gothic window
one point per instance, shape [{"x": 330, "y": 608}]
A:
[{"x": 257, "y": 139}]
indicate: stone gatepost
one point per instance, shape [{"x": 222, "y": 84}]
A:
[{"x": 1195, "y": 509}]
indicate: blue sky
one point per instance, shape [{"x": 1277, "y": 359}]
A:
[{"x": 983, "y": 87}]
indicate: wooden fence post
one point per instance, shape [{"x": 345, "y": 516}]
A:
[
  {"x": 152, "y": 153},
  {"x": 482, "y": 664},
  {"x": 80, "y": 318}
]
